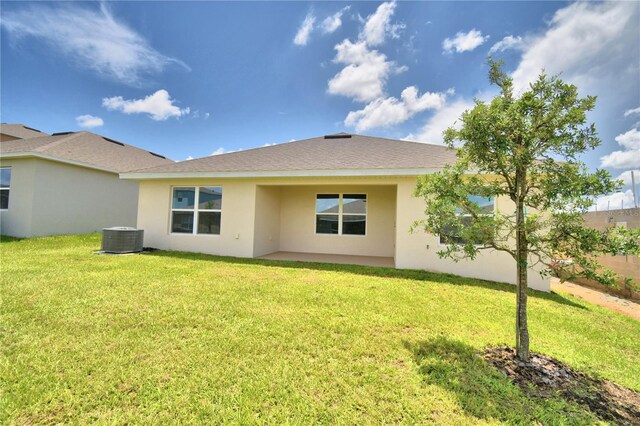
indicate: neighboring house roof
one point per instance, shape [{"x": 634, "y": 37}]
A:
[
  {"x": 352, "y": 207},
  {"x": 323, "y": 155},
  {"x": 84, "y": 149},
  {"x": 20, "y": 131},
  {"x": 356, "y": 206}
]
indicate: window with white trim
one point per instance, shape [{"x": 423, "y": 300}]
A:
[
  {"x": 196, "y": 210},
  {"x": 341, "y": 214},
  {"x": 5, "y": 187},
  {"x": 487, "y": 206}
]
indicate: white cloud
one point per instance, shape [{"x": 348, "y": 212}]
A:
[
  {"x": 329, "y": 25},
  {"x": 629, "y": 140},
  {"x": 159, "y": 106},
  {"x": 399, "y": 69},
  {"x": 197, "y": 114},
  {"x": 89, "y": 121},
  {"x": 221, "y": 150},
  {"x": 590, "y": 43},
  {"x": 302, "y": 36},
  {"x": 627, "y": 158},
  {"x": 366, "y": 70},
  {"x": 365, "y": 74},
  {"x": 378, "y": 25},
  {"x": 626, "y": 177},
  {"x": 621, "y": 159},
  {"x": 632, "y": 111},
  {"x": 387, "y": 112},
  {"x": 441, "y": 120},
  {"x": 464, "y": 42},
  {"x": 95, "y": 39},
  {"x": 188, "y": 158},
  {"x": 616, "y": 201},
  {"x": 333, "y": 22},
  {"x": 509, "y": 42}
]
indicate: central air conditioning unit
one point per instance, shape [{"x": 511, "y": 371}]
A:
[{"x": 122, "y": 239}]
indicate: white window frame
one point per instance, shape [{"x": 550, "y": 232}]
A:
[
  {"x": 468, "y": 215},
  {"x": 8, "y": 189},
  {"x": 195, "y": 210},
  {"x": 340, "y": 214}
]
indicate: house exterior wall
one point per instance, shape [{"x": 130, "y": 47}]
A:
[
  {"x": 16, "y": 220},
  {"x": 298, "y": 216},
  {"x": 624, "y": 266},
  {"x": 51, "y": 198},
  {"x": 267, "y": 220},
  {"x": 418, "y": 250},
  {"x": 236, "y": 223},
  {"x": 254, "y": 209}
]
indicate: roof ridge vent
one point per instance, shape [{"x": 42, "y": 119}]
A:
[
  {"x": 112, "y": 141},
  {"x": 338, "y": 136},
  {"x": 62, "y": 133},
  {"x": 31, "y": 128},
  {"x": 157, "y": 155}
]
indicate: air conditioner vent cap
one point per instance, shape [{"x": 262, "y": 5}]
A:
[{"x": 338, "y": 136}]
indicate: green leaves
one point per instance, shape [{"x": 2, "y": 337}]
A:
[
  {"x": 526, "y": 148},
  {"x": 465, "y": 226}
]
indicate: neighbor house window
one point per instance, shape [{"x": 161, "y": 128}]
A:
[
  {"x": 5, "y": 187},
  {"x": 450, "y": 236},
  {"x": 196, "y": 210},
  {"x": 341, "y": 214}
]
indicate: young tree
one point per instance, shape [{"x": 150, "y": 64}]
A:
[{"x": 525, "y": 148}]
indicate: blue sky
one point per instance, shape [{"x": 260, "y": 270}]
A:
[{"x": 188, "y": 79}]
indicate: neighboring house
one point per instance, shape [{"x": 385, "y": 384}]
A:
[
  {"x": 625, "y": 266},
  {"x": 10, "y": 132},
  {"x": 67, "y": 183},
  {"x": 335, "y": 195}
]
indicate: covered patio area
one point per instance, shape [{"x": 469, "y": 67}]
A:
[{"x": 338, "y": 223}]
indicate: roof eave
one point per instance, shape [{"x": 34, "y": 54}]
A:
[{"x": 279, "y": 173}]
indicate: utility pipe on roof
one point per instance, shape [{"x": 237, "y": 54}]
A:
[{"x": 633, "y": 189}]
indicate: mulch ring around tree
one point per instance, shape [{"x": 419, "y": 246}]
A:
[{"x": 543, "y": 376}]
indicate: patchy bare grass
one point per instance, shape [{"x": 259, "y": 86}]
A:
[{"x": 170, "y": 337}]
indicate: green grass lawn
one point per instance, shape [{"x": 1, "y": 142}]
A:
[{"x": 171, "y": 337}]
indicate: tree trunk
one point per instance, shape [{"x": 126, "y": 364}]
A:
[{"x": 522, "y": 252}]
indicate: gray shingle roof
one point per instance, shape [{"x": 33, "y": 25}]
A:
[
  {"x": 20, "y": 131},
  {"x": 86, "y": 148},
  {"x": 321, "y": 153}
]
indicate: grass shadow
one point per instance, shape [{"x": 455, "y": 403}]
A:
[
  {"x": 482, "y": 391},
  {"x": 373, "y": 271},
  {"x": 9, "y": 239}
]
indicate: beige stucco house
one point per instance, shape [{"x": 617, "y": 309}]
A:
[
  {"x": 66, "y": 183},
  {"x": 337, "y": 198}
]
